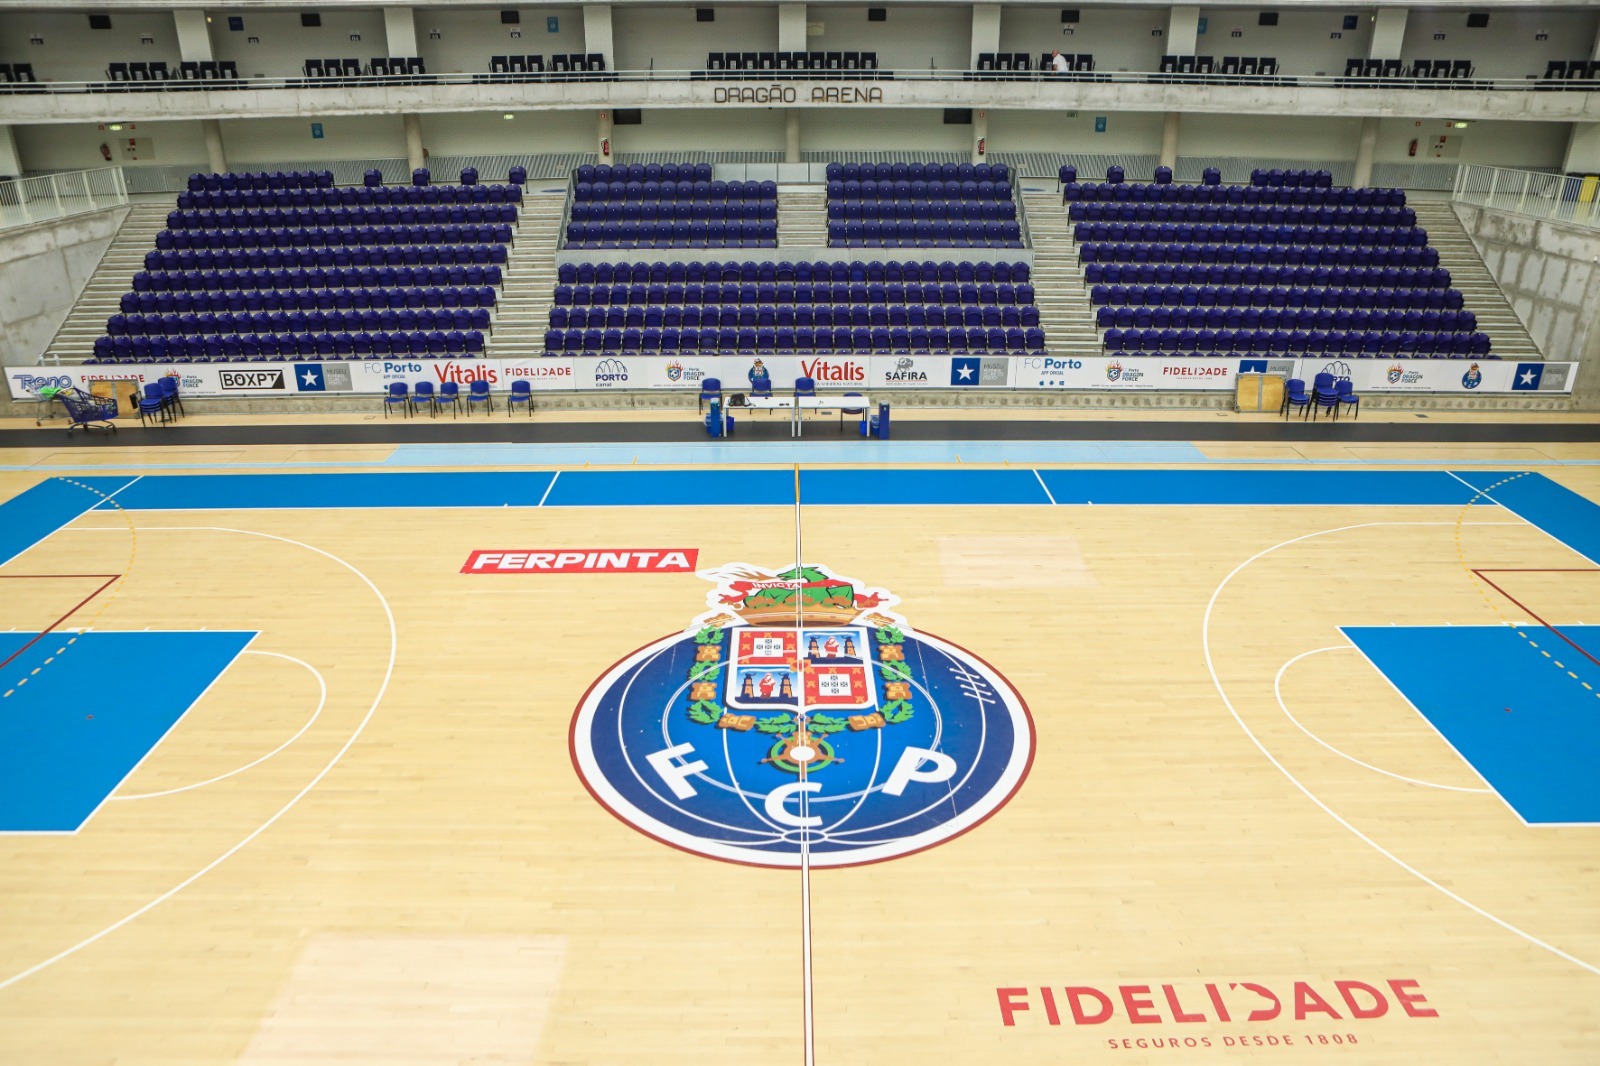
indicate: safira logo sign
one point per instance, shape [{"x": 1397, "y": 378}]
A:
[{"x": 800, "y": 719}]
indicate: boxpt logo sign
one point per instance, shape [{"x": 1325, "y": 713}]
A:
[{"x": 250, "y": 380}]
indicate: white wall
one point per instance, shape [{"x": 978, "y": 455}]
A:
[
  {"x": 881, "y": 130},
  {"x": 1519, "y": 145},
  {"x": 912, "y": 38},
  {"x": 469, "y": 36},
  {"x": 536, "y": 132},
  {"x": 1506, "y": 47},
  {"x": 670, "y": 38},
  {"x": 1269, "y": 136},
  {"x": 73, "y": 52},
  {"x": 76, "y": 146},
  {"x": 1299, "y": 42},
  {"x": 43, "y": 268},
  {"x": 1119, "y": 38},
  {"x": 285, "y": 45},
  {"x": 689, "y": 132},
  {"x": 255, "y": 143},
  {"x": 1127, "y": 132}
]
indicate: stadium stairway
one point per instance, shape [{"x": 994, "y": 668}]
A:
[
  {"x": 802, "y": 218},
  {"x": 1508, "y": 337},
  {"x": 523, "y": 310},
  {"x": 1064, "y": 309},
  {"x": 113, "y": 276}
]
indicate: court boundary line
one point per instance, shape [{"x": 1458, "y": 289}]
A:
[
  {"x": 1216, "y": 681},
  {"x": 383, "y": 688},
  {"x": 1278, "y": 692},
  {"x": 809, "y": 1021},
  {"x": 1512, "y": 510},
  {"x": 1531, "y": 613}
]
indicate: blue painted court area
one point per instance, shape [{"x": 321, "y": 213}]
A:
[
  {"x": 672, "y": 488},
  {"x": 1280, "y": 488},
  {"x": 83, "y": 722},
  {"x": 834, "y": 450},
  {"x": 916, "y": 486},
  {"x": 197, "y": 492},
  {"x": 1560, "y": 512},
  {"x": 1528, "y": 728},
  {"x": 30, "y": 517}
]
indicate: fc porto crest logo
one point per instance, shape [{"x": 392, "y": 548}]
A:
[{"x": 800, "y": 720}]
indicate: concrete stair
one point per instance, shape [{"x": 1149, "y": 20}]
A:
[
  {"x": 1064, "y": 310},
  {"x": 1508, "y": 337},
  {"x": 102, "y": 296},
  {"x": 523, "y": 311},
  {"x": 802, "y": 218}
]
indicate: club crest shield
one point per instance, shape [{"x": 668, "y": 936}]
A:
[{"x": 801, "y": 718}]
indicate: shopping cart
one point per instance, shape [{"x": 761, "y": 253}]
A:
[{"x": 87, "y": 410}]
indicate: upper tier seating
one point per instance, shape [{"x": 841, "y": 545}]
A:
[
  {"x": 368, "y": 272},
  {"x": 769, "y": 65},
  {"x": 915, "y": 204}
]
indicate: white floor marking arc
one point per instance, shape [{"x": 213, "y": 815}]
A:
[
  {"x": 1277, "y": 690},
  {"x": 1205, "y": 643}
]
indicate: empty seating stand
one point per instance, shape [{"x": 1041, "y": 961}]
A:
[
  {"x": 1572, "y": 74},
  {"x": 921, "y": 205},
  {"x": 135, "y": 76},
  {"x": 17, "y": 78},
  {"x": 206, "y": 75},
  {"x": 669, "y": 205},
  {"x": 767, "y": 307},
  {"x": 516, "y": 68},
  {"x": 1253, "y": 68},
  {"x": 288, "y": 266},
  {"x": 1002, "y": 66},
  {"x": 1184, "y": 68},
  {"x": 777, "y": 65}
]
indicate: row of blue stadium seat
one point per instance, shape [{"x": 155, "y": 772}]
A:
[
  {"x": 1261, "y": 254},
  {"x": 797, "y": 293},
  {"x": 938, "y": 233},
  {"x": 1258, "y": 295},
  {"x": 1116, "y": 175},
  {"x": 1269, "y": 274},
  {"x": 710, "y": 191},
  {"x": 755, "y": 341},
  {"x": 696, "y": 234},
  {"x": 803, "y": 271},
  {"x": 1276, "y": 214},
  {"x": 757, "y": 315},
  {"x": 972, "y": 210},
  {"x": 406, "y": 319},
  {"x": 370, "y": 277},
  {"x": 634, "y": 211},
  {"x": 295, "y": 179},
  {"x": 919, "y": 190},
  {"x": 149, "y": 304},
  {"x": 270, "y": 347},
  {"x": 318, "y": 236},
  {"x": 917, "y": 172},
  {"x": 353, "y": 195},
  {"x": 1248, "y": 233},
  {"x": 304, "y": 217},
  {"x": 1279, "y": 178},
  {"x": 1231, "y": 194},
  {"x": 644, "y": 172},
  {"x": 331, "y": 256},
  {"x": 1331, "y": 342},
  {"x": 1304, "y": 318}
]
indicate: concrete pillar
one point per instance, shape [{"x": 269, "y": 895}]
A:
[
  {"x": 1364, "y": 153},
  {"x": 1388, "y": 33},
  {"x": 791, "y": 129},
  {"x": 10, "y": 161},
  {"x": 400, "y": 30},
  {"x": 1183, "y": 31},
  {"x": 791, "y": 27},
  {"x": 604, "y": 149},
  {"x": 980, "y": 136},
  {"x": 985, "y": 30},
  {"x": 597, "y": 32},
  {"x": 1583, "y": 149},
  {"x": 1594, "y": 49},
  {"x": 216, "y": 158},
  {"x": 194, "y": 35},
  {"x": 1169, "y": 141},
  {"x": 414, "y": 156}
]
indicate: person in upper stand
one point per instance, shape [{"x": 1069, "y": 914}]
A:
[{"x": 1058, "y": 62}]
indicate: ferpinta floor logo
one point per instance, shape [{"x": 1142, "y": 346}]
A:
[{"x": 800, "y": 716}]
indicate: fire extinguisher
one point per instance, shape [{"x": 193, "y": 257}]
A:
[
  {"x": 605, "y": 148},
  {"x": 1413, "y": 149},
  {"x": 105, "y": 152},
  {"x": 982, "y": 141}
]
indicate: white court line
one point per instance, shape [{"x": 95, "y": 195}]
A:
[
  {"x": 1047, "y": 493},
  {"x": 1205, "y": 643},
  {"x": 287, "y": 807},
  {"x": 808, "y": 1037},
  {"x": 1506, "y": 507},
  {"x": 1277, "y": 690},
  {"x": 547, "y": 489},
  {"x": 322, "y": 701}
]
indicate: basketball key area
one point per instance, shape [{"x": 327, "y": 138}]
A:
[{"x": 1037, "y": 765}]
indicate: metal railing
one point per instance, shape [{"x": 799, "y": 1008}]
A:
[
  {"x": 1567, "y": 198},
  {"x": 73, "y": 192}
]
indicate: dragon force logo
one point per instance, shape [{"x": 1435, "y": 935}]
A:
[{"x": 800, "y": 718}]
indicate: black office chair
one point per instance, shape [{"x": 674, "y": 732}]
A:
[
  {"x": 1205, "y": 64},
  {"x": 188, "y": 71},
  {"x": 560, "y": 64},
  {"x": 1461, "y": 69},
  {"x": 1230, "y": 64},
  {"x": 138, "y": 72},
  {"x": 1002, "y": 61},
  {"x": 835, "y": 60},
  {"x": 1247, "y": 66},
  {"x": 159, "y": 71},
  {"x": 817, "y": 60},
  {"x": 852, "y": 61},
  {"x": 1391, "y": 68},
  {"x": 352, "y": 68},
  {"x": 1267, "y": 65},
  {"x": 1372, "y": 68},
  {"x": 1186, "y": 64},
  {"x": 986, "y": 63},
  {"x": 208, "y": 70},
  {"x": 114, "y": 71},
  {"x": 766, "y": 61},
  {"x": 1084, "y": 63},
  {"x": 869, "y": 61},
  {"x": 313, "y": 68},
  {"x": 228, "y": 70},
  {"x": 1441, "y": 69},
  {"x": 1169, "y": 65}
]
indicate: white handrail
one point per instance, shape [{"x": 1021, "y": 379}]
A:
[
  {"x": 49, "y": 196},
  {"x": 1573, "y": 199}
]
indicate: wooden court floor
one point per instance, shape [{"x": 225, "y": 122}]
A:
[{"x": 367, "y": 842}]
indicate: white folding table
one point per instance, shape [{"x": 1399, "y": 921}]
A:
[{"x": 798, "y": 405}]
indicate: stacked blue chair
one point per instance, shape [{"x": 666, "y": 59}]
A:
[
  {"x": 1286, "y": 265},
  {"x": 332, "y": 273},
  {"x": 917, "y": 205},
  {"x": 782, "y": 307},
  {"x": 669, "y": 205}
]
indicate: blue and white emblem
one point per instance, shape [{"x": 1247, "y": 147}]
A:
[{"x": 800, "y": 720}]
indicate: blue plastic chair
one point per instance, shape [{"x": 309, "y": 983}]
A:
[
  {"x": 1347, "y": 397},
  {"x": 398, "y": 394},
  {"x": 521, "y": 392},
  {"x": 478, "y": 394},
  {"x": 710, "y": 389},
  {"x": 1294, "y": 395}
]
